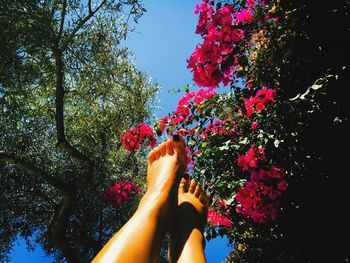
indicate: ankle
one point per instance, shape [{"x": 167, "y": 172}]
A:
[
  {"x": 157, "y": 205},
  {"x": 185, "y": 244},
  {"x": 189, "y": 218}
]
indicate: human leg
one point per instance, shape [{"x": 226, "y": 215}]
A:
[{"x": 139, "y": 240}]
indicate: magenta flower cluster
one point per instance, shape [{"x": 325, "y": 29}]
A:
[
  {"x": 120, "y": 192},
  {"x": 257, "y": 198},
  {"x": 133, "y": 138},
  {"x": 220, "y": 38}
]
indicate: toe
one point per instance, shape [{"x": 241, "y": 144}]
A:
[
  {"x": 183, "y": 187},
  {"x": 169, "y": 147},
  {"x": 202, "y": 197},
  {"x": 198, "y": 191},
  {"x": 193, "y": 185},
  {"x": 157, "y": 153},
  {"x": 151, "y": 157},
  {"x": 178, "y": 144},
  {"x": 162, "y": 149},
  {"x": 207, "y": 201}
]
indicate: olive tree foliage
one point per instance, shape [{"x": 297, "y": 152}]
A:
[{"x": 67, "y": 92}]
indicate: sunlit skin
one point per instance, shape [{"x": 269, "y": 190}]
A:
[
  {"x": 139, "y": 240},
  {"x": 186, "y": 235}
]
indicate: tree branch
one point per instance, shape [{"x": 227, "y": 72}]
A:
[
  {"x": 63, "y": 16},
  {"x": 30, "y": 168},
  {"x": 58, "y": 228},
  {"x": 80, "y": 24},
  {"x": 58, "y": 50},
  {"x": 90, "y": 8},
  {"x": 59, "y": 116}
]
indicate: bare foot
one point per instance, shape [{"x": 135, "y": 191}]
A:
[
  {"x": 166, "y": 165},
  {"x": 191, "y": 194},
  {"x": 186, "y": 237}
]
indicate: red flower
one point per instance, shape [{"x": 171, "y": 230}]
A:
[
  {"x": 277, "y": 172},
  {"x": 120, "y": 192},
  {"x": 251, "y": 3},
  {"x": 244, "y": 16},
  {"x": 282, "y": 185},
  {"x": 254, "y": 125},
  {"x": 216, "y": 27},
  {"x": 133, "y": 138},
  {"x": 163, "y": 123},
  {"x": 217, "y": 127},
  {"x": 255, "y": 200},
  {"x": 262, "y": 98},
  {"x": 216, "y": 218},
  {"x": 250, "y": 160}
]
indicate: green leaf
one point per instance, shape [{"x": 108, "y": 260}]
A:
[{"x": 245, "y": 141}]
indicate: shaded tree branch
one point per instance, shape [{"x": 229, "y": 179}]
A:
[
  {"x": 90, "y": 8},
  {"x": 63, "y": 16},
  {"x": 30, "y": 168},
  {"x": 59, "y": 116},
  {"x": 58, "y": 228},
  {"x": 80, "y": 24},
  {"x": 62, "y": 142}
]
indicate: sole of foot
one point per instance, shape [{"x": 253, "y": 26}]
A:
[
  {"x": 186, "y": 236},
  {"x": 191, "y": 194},
  {"x": 166, "y": 166}
]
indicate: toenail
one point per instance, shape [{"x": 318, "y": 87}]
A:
[
  {"x": 186, "y": 176},
  {"x": 176, "y": 138}
]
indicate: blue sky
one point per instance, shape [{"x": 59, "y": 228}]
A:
[{"x": 163, "y": 40}]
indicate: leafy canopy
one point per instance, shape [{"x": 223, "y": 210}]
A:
[{"x": 67, "y": 92}]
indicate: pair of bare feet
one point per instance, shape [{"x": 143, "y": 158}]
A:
[
  {"x": 173, "y": 203},
  {"x": 185, "y": 203}
]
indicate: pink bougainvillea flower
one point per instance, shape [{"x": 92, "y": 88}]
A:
[
  {"x": 244, "y": 16},
  {"x": 163, "y": 123},
  {"x": 251, "y": 3},
  {"x": 251, "y": 159},
  {"x": 254, "y": 125},
  {"x": 277, "y": 172},
  {"x": 250, "y": 201},
  {"x": 282, "y": 186},
  {"x": 257, "y": 198},
  {"x": 249, "y": 105},
  {"x": 262, "y": 98},
  {"x": 205, "y": 12},
  {"x": 120, "y": 192},
  {"x": 216, "y": 218},
  {"x": 133, "y": 138},
  {"x": 183, "y": 110},
  {"x": 203, "y": 94},
  {"x": 217, "y": 127},
  {"x": 198, "y": 97},
  {"x": 216, "y": 27}
]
